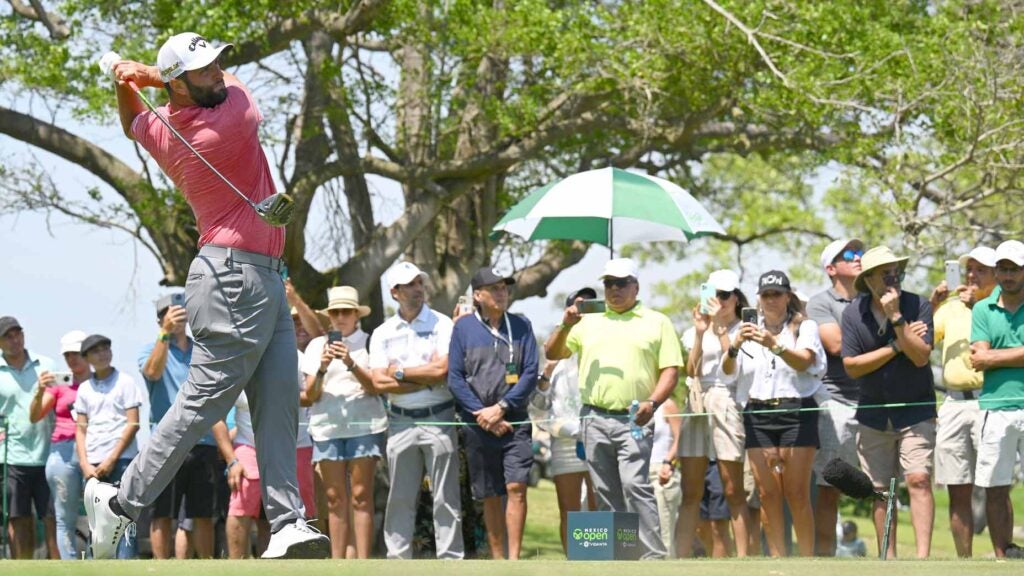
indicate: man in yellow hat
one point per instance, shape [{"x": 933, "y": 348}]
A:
[{"x": 887, "y": 336}]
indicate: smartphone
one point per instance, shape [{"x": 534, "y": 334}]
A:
[
  {"x": 178, "y": 299},
  {"x": 749, "y": 315},
  {"x": 334, "y": 336},
  {"x": 61, "y": 378},
  {"x": 707, "y": 292},
  {"x": 592, "y": 306},
  {"x": 464, "y": 306},
  {"x": 952, "y": 275}
]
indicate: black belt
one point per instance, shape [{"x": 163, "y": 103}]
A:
[
  {"x": 773, "y": 401},
  {"x": 605, "y": 411},
  {"x": 962, "y": 394},
  {"x": 421, "y": 412},
  {"x": 240, "y": 256}
]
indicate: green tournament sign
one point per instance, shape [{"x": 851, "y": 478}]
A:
[{"x": 603, "y": 536}]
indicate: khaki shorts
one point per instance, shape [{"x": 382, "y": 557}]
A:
[
  {"x": 837, "y": 436},
  {"x": 694, "y": 437},
  {"x": 885, "y": 453},
  {"x": 956, "y": 441},
  {"x": 717, "y": 436},
  {"x": 1002, "y": 442}
]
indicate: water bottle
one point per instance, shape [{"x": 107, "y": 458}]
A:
[{"x": 635, "y": 430}]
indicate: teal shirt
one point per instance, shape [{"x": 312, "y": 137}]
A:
[
  {"x": 1004, "y": 387},
  {"x": 27, "y": 443}
]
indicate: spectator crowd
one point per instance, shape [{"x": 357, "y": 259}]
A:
[{"x": 708, "y": 437}]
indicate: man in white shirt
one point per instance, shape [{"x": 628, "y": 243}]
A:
[{"x": 409, "y": 362}]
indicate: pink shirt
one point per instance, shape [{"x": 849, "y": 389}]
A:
[
  {"x": 227, "y": 137},
  {"x": 64, "y": 426}
]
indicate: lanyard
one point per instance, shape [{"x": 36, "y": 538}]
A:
[{"x": 497, "y": 334}]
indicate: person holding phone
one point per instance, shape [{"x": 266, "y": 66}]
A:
[
  {"x": 628, "y": 353},
  {"x": 63, "y": 473},
  {"x": 164, "y": 363},
  {"x": 108, "y": 420},
  {"x": 958, "y": 428},
  {"x": 785, "y": 364},
  {"x": 719, "y": 436},
  {"x": 887, "y": 337},
  {"x": 347, "y": 421}
]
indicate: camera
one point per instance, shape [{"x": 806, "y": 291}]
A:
[
  {"x": 749, "y": 315},
  {"x": 62, "y": 378},
  {"x": 592, "y": 306}
]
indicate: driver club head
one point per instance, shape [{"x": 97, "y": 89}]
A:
[{"x": 277, "y": 209}]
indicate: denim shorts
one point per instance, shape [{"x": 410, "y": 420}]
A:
[{"x": 365, "y": 446}]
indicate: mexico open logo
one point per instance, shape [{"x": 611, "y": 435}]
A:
[
  {"x": 591, "y": 536},
  {"x": 626, "y": 536}
]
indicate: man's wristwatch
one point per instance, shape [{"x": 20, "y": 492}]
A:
[
  {"x": 778, "y": 349},
  {"x": 654, "y": 404},
  {"x": 399, "y": 374},
  {"x": 899, "y": 321},
  {"x": 503, "y": 404},
  {"x": 895, "y": 345}
]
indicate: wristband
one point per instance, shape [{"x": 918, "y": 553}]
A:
[
  {"x": 232, "y": 463},
  {"x": 733, "y": 352},
  {"x": 669, "y": 462},
  {"x": 163, "y": 336},
  {"x": 899, "y": 321}
]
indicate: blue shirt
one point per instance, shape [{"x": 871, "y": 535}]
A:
[
  {"x": 163, "y": 391},
  {"x": 898, "y": 380},
  {"x": 28, "y": 444},
  {"x": 477, "y": 360}
]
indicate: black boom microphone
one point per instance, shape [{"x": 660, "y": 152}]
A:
[{"x": 849, "y": 480}]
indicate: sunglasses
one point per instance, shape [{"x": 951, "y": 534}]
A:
[
  {"x": 617, "y": 282},
  {"x": 848, "y": 256},
  {"x": 723, "y": 295}
]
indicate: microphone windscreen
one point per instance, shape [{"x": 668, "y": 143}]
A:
[{"x": 847, "y": 479}]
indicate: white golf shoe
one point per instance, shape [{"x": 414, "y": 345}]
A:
[
  {"x": 298, "y": 541},
  {"x": 105, "y": 526}
]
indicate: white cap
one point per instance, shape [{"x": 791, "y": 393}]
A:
[
  {"x": 1012, "y": 250},
  {"x": 835, "y": 248},
  {"x": 185, "y": 51},
  {"x": 724, "y": 280},
  {"x": 620, "y": 268},
  {"x": 983, "y": 254},
  {"x": 72, "y": 341},
  {"x": 403, "y": 273}
]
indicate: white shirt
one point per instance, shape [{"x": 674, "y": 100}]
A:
[
  {"x": 766, "y": 376},
  {"x": 557, "y": 409},
  {"x": 662, "y": 439},
  {"x": 106, "y": 403},
  {"x": 344, "y": 410},
  {"x": 711, "y": 373},
  {"x": 411, "y": 344},
  {"x": 244, "y": 434},
  {"x": 302, "y": 440}
]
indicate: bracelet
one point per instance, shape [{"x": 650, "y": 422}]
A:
[
  {"x": 163, "y": 336},
  {"x": 733, "y": 352},
  {"x": 232, "y": 463},
  {"x": 669, "y": 462}
]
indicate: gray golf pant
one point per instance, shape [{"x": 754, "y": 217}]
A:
[
  {"x": 619, "y": 467},
  {"x": 244, "y": 340},
  {"x": 415, "y": 447}
]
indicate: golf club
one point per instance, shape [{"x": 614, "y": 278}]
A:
[{"x": 276, "y": 210}]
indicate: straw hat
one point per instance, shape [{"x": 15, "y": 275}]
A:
[
  {"x": 874, "y": 258},
  {"x": 345, "y": 297}
]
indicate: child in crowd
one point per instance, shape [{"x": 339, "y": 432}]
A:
[{"x": 108, "y": 419}]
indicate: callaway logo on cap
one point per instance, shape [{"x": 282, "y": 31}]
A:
[{"x": 184, "y": 52}]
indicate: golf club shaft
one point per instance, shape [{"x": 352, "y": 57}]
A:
[{"x": 145, "y": 100}]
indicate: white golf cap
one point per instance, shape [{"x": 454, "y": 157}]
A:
[
  {"x": 620, "y": 268},
  {"x": 836, "y": 247},
  {"x": 724, "y": 280},
  {"x": 403, "y": 273},
  {"x": 983, "y": 254},
  {"x": 72, "y": 341},
  {"x": 1012, "y": 250},
  {"x": 186, "y": 51}
]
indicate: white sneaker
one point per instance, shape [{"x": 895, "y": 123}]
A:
[
  {"x": 105, "y": 526},
  {"x": 298, "y": 540}
]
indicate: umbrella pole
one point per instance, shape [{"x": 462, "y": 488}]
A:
[{"x": 611, "y": 245}]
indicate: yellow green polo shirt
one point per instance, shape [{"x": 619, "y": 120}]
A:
[
  {"x": 953, "y": 327},
  {"x": 622, "y": 355}
]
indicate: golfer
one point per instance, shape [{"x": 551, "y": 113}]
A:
[{"x": 234, "y": 294}]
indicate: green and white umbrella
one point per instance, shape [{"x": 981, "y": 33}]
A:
[{"x": 607, "y": 205}]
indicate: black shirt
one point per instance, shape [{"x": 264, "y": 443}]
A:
[{"x": 898, "y": 380}]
